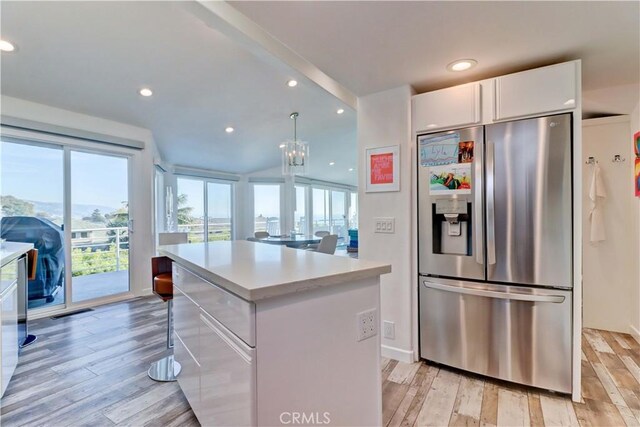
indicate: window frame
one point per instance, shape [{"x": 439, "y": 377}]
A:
[{"x": 205, "y": 181}]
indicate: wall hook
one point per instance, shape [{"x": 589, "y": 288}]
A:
[
  {"x": 618, "y": 159},
  {"x": 591, "y": 161}
]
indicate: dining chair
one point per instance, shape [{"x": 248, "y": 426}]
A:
[
  {"x": 327, "y": 244},
  {"x": 314, "y": 246},
  {"x": 261, "y": 234}
]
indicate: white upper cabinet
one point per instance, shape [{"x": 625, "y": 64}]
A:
[
  {"x": 532, "y": 92},
  {"x": 453, "y": 107}
]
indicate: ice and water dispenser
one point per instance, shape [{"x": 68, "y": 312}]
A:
[{"x": 452, "y": 226}]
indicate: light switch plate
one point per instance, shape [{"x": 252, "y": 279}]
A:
[
  {"x": 385, "y": 225},
  {"x": 389, "y": 330}
]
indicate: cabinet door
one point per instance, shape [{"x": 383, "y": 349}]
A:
[
  {"x": 186, "y": 322},
  {"x": 232, "y": 311},
  {"x": 9, "y": 316},
  {"x": 453, "y": 107},
  {"x": 227, "y": 379},
  {"x": 534, "y": 92},
  {"x": 189, "y": 377}
]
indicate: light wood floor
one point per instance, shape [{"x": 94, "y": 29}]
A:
[
  {"x": 419, "y": 394},
  {"x": 90, "y": 369}
]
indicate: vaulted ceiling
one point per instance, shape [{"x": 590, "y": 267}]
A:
[
  {"x": 93, "y": 57},
  {"x": 372, "y": 46}
]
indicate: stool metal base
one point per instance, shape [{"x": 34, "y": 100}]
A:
[
  {"x": 165, "y": 369},
  {"x": 30, "y": 339}
]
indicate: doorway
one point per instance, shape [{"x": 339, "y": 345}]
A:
[{"x": 73, "y": 205}]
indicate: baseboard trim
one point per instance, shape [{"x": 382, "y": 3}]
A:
[
  {"x": 634, "y": 333},
  {"x": 405, "y": 356}
]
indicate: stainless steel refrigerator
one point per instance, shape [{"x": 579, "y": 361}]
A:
[{"x": 495, "y": 250}]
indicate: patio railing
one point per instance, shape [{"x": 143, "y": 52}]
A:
[
  {"x": 217, "y": 231},
  {"x": 99, "y": 250}
]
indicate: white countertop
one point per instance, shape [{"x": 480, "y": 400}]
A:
[
  {"x": 12, "y": 250},
  {"x": 256, "y": 271}
]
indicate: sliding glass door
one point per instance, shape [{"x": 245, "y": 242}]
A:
[
  {"x": 73, "y": 205},
  {"x": 99, "y": 225},
  {"x": 32, "y": 199}
]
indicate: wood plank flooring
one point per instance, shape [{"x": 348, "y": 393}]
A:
[
  {"x": 421, "y": 394},
  {"x": 90, "y": 369}
]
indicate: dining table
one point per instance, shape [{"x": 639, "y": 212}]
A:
[{"x": 292, "y": 241}]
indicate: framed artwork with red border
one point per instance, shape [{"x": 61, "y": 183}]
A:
[
  {"x": 636, "y": 176},
  {"x": 636, "y": 143},
  {"x": 383, "y": 169}
]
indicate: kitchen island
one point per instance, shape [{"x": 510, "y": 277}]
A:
[
  {"x": 269, "y": 335},
  {"x": 12, "y": 267}
]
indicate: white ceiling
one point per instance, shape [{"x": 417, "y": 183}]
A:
[
  {"x": 92, "y": 57},
  {"x": 372, "y": 46}
]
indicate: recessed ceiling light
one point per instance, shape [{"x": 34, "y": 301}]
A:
[
  {"x": 281, "y": 145},
  {"x": 340, "y": 110},
  {"x": 462, "y": 64},
  {"x": 229, "y": 129},
  {"x": 350, "y": 169},
  {"x": 6, "y": 46},
  {"x": 292, "y": 83},
  {"x": 145, "y": 91},
  {"x": 332, "y": 163}
]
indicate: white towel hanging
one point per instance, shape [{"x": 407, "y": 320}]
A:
[{"x": 597, "y": 192}]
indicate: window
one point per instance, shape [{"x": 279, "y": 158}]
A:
[
  {"x": 191, "y": 208},
  {"x": 300, "y": 213},
  {"x": 205, "y": 208},
  {"x": 266, "y": 208},
  {"x": 353, "y": 211},
  {"x": 320, "y": 210},
  {"x": 338, "y": 213},
  {"x": 219, "y": 211}
]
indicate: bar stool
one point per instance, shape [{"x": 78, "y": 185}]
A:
[
  {"x": 165, "y": 369},
  {"x": 23, "y": 300}
]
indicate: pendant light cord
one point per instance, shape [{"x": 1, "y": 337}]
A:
[{"x": 294, "y": 116}]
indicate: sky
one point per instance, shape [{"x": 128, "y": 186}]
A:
[{"x": 35, "y": 173}]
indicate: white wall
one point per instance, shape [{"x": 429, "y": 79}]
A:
[
  {"x": 610, "y": 272},
  {"x": 634, "y": 120},
  {"x": 385, "y": 119},
  {"x": 142, "y": 209}
]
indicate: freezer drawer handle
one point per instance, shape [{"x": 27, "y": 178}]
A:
[{"x": 557, "y": 299}]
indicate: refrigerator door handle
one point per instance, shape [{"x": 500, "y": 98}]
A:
[
  {"x": 478, "y": 208},
  {"x": 491, "y": 216},
  {"x": 515, "y": 296}
]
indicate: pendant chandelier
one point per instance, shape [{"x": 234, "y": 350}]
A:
[{"x": 295, "y": 154}]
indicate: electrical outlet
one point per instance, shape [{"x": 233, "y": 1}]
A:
[
  {"x": 389, "y": 329},
  {"x": 385, "y": 225},
  {"x": 367, "y": 323}
]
